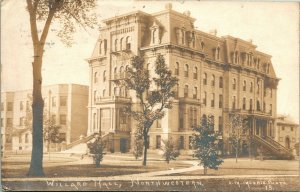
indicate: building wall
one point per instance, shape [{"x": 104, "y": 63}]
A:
[
  {"x": 191, "y": 55},
  {"x": 65, "y": 104}
]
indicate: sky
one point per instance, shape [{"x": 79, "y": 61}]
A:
[{"x": 272, "y": 26}]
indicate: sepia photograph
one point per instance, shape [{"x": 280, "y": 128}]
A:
[{"x": 136, "y": 95}]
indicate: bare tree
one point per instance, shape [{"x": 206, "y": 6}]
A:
[
  {"x": 67, "y": 13},
  {"x": 152, "y": 102}
]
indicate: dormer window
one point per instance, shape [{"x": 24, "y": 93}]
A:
[{"x": 202, "y": 46}]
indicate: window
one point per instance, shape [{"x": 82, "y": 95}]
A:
[
  {"x": 195, "y": 93},
  {"x": 95, "y": 77},
  {"x": 176, "y": 90},
  {"x": 63, "y": 120},
  {"x": 271, "y": 109},
  {"x": 205, "y": 79},
  {"x": 158, "y": 123},
  {"x": 21, "y": 106},
  {"x": 204, "y": 98},
  {"x": 186, "y": 70},
  {"x": 258, "y": 88},
  {"x": 264, "y": 106},
  {"x": 128, "y": 45},
  {"x": 236, "y": 57},
  {"x": 220, "y": 130},
  {"x": 212, "y": 118},
  {"x": 292, "y": 129},
  {"x": 104, "y": 76},
  {"x": 9, "y": 106},
  {"x": 53, "y": 101},
  {"x": 234, "y": 84},
  {"x": 282, "y": 128},
  {"x": 115, "y": 73},
  {"x": 9, "y": 122},
  {"x": 63, "y": 101},
  {"x": 115, "y": 91},
  {"x": 26, "y": 138},
  {"x": 105, "y": 46},
  {"x": 181, "y": 142},
  {"x": 186, "y": 91},
  {"x": 221, "y": 82},
  {"x": 2, "y": 106},
  {"x": 257, "y": 105},
  {"x": 233, "y": 102},
  {"x": 212, "y": 103},
  {"x": 250, "y": 105},
  {"x": 212, "y": 80},
  {"x": 123, "y": 118},
  {"x": 153, "y": 36},
  {"x": 244, "y": 103},
  {"x": 121, "y": 44},
  {"x": 103, "y": 93},
  {"x": 220, "y": 101},
  {"x": 195, "y": 73},
  {"x": 244, "y": 86},
  {"x": 177, "y": 69},
  {"x": 158, "y": 141},
  {"x": 100, "y": 47},
  {"x": 251, "y": 87},
  {"x": 217, "y": 53},
  {"x": 202, "y": 46}
]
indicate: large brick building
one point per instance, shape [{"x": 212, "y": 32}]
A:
[
  {"x": 65, "y": 104},
  {"x": 216, "y": 75}
]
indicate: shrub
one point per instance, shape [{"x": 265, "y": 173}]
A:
[{"x": 96, "y": 149}]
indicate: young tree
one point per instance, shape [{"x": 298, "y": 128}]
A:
[
  {"x": 97, "y": 150},
  {"x": 238, "y": 126},
  {"x": 67, "y": 13},
  {"x": 51, "y": 133},
  {"x": 170, "y": 152},
  {"x": 138, "y": 144},
  {"x": 205, "y": 143},
  {"x": 152, "y": 102}
]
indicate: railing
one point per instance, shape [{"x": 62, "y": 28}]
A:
[
  {"x": 83, "y": 140},
  {"x": 281, "y": 147}
]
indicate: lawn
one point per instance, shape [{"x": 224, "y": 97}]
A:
[{"x": 252, "y": 167}]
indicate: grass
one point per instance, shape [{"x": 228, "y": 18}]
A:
[{"x": 254, "y": 167}]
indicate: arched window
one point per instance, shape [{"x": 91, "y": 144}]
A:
[
  {"x": 220, "y": 101},
  {"x": 212, "y": 119},
  {"x": 244, "y": 103},
  {"x": 204, "y": 79},
  {"x": 177, "y": 68},
  {"x": 186, "y": 70},
  {"x": 244, "y": 85},
  {"x": 95, "y": 96},
  {"x": 195, "y": 93},
  {"x": 95, "y": 77},
  {"x": 104, "y": 76},
  {"x": 212, "y": 102},
  {"x": 202, "y": 46},
  {"x": 233, "y": 102},
  {"x": 271, "y": 109},
  {"x": 251, "y": 105},
  {"x": 213, "y": 80},
  {"x": 186, "y": 91},
  {"x": 195, "y": 73},
  {"x": 154, "y": 36},
  {"x": 121, "y": 72},
  {"x": 257, "y": 105},
  {"x": 116, "y": 45},
  {"x": 220, "y": 82},
  {"x": 116, "y": 73},
  {"x": 251, "y": 87},
  {"x": 234, "y": 84},
  {"x": 121, "y": 44},
  {"x": 128, "y": 45},
  {"x": 258, "y": 88}
]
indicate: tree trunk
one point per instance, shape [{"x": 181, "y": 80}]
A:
[
  {"x": 36, "y": 164},
  {"x": 145, "y": 150}
]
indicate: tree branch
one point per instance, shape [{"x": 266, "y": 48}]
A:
[
  {"x": 46, "y": 27},
  {"x": 33, "y": 26},
  {"x": 78, "y": 21}
]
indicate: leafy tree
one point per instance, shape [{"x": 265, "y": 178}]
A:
[
  {"x": 97, "y": 150},
  {"x": 154, "y": 94},
  {"x": 238, "y": 126},
  {"x": 138, "y": 144},
  {"x": 67, "y": 13},
  {"x": 205, "y": 143},
  {"x": 170, "y": 152},
  {"x": 51, "y": 133}
]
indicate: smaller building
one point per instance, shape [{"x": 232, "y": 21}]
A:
[
  {"x": 288, "y": 133},
  {"x": 65, "y": 105}
]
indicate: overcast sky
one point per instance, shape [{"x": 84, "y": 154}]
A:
[{"x": 273, "y": 27}]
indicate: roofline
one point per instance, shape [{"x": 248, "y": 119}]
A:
[{"x": 124, "y": 15}]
